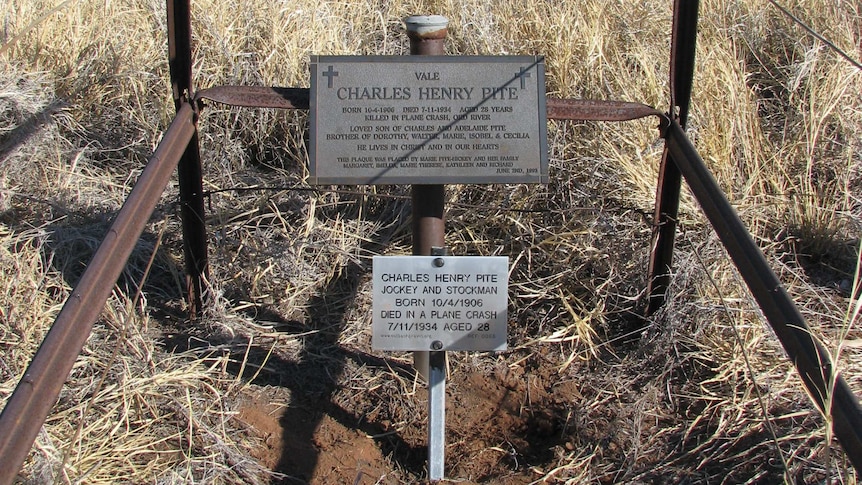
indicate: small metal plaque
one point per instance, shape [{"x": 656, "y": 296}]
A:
[
  {"x": 428, "y": 120},
  {"x": 440, "y": 302}
]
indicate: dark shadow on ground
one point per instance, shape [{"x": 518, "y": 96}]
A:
[
  {"x": 74, "y": 236},
  {"x": 312, "y": 379},
  {"x": 28, "y": 128},
  {"x": 313, "y": 376}
]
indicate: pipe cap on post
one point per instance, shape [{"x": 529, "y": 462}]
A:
[
  {"x": 427, "y": 33},
  {"x": 427, "y": 26}
]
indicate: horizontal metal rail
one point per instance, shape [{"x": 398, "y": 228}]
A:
[
  {"x": 257, "y": 96},
  {"x": 557, "y": 109},
  {"x": 39, "y": 388},
  {"x": 827, "y": 388}
]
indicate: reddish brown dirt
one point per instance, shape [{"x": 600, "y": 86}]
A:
[
  {"x": 503, "y": 427},
  {"x": 334, "y": 454}
]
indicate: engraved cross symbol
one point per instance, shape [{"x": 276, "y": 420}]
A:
[
  {"x": 523, "y": 74},
  {"x": 332, "y": 74}
]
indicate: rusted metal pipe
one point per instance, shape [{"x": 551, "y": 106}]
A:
[
  {"x": 190, "y": 178},
  {"x": 190, "y": 171},
  {"x": 427, "y": 34},
  {"x": 179, "y": 49},
  {"x": 827, "y": 389},
  {"x": 38, "y": 389},
  {"x": 682, "y": 53},
  {"x": 683, "y": 42},
  {"x": 664, "y": 233}
]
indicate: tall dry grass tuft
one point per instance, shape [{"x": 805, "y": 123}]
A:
[{"x": 775, "y": 114}]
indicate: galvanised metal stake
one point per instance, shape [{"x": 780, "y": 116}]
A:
[
  {"x": 437, "y": 399},
  {"x": 436, "y": 415},
  {"x": 427, "y": 33}
]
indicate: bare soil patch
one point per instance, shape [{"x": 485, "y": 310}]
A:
[{"x": 509, "y": 423}]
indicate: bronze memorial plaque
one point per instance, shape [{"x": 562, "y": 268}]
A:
[{"x": 428, "y": 120}]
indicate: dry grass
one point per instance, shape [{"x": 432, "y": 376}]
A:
[{"x": 706, "y": 395}]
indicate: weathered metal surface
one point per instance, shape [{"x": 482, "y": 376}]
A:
[
  {"x": 190, "y": 181},
  {"x": 429, "y": 238},
  {"x": 664, "y": 233},
  {"x": 179, "y": 49},
  {"x": 436, "y": 416},
  {"x": 420, "y": 119},
  {"x": 425, "y": 27},
  {"x": 256, "y": 96},
  {"x": 190, "y": 172},
  {"x": 683, "y": 42},
  {"x": 826, "y": 388},
  {"x": 682, "y": 53},
  {"x": 36, "y": 393},
  {"x": 599, "y": 110},
  {"x": 428, "y": 218},
  {"x": 428, "y": 201},
  {"x": 427, "y": 34}
]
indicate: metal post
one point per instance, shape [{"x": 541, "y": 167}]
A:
[
  {"x": 427, "y": 34},
  {"x": 190, "y": 172},
  {"x": 436, "y": 415},
  {"x": 683, "y": 41}
]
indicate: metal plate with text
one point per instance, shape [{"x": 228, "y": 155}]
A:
[
  {"x": 428, "y": 120},
  {"x": 440, "y": 302}
]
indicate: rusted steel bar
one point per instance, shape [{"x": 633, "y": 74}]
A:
[
  {"x": 298, "y": 98},
  {"x": 257, "y": 96},
  {"x": 664, "y": 233},
  {"x": 825, "y": 386},
  {"x": 190, "y": 178},
  {"x": 38, "y": 389},
  {"x": 598, "y": 110},
  {"x": 682, "y": 52},
  {"x": 190, "y": 172},
  {"x": 429, "y": 224},
  {"x": 180, "y": 49},
  {"x": 683, "y": 42},
  {"x": 429, "y": 221}
]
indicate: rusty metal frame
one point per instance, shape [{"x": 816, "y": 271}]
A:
[{"x": 37, "y": 391}]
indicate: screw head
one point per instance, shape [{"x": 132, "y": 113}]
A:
[
  {"x": 439, "y": 262},
  {"x": 436, "y": 345}
]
